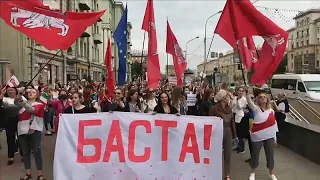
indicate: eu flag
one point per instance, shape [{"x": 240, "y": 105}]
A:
[{"x": 120, "y": 37}]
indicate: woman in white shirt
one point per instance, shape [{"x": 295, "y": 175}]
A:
[
  {"x": 239, "y": 105},
  {"x": 263, "y": 133}
]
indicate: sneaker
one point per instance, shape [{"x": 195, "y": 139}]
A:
[
  {"x": 241, "y": 152},
  {"x": 10, "y": 162},
  {"x": 48, "y": 133},
  {"x": 273, "y": 177},
  {"x": 252, "y": 176}
]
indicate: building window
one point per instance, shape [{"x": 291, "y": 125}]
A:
[
  {"x": 81, "y": 47},
  {"x": 297, "y": 34},
  {"x": 93, "y": 56},
  {"x": 297, "y": 44},
  {"x": 307, "y": 42},
  {"x": 291, "y": 56},
  {"x": 302, "y": 43},
  {"x": 318, "y": 63},
  {"x": 307, "y": 32},
  {"x": 301, "y": 33},
  {"x": 292, "y": 46},
  {"x": 307, "y": 52}
]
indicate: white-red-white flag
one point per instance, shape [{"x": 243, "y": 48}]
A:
[{"x": 13, "y": 81}]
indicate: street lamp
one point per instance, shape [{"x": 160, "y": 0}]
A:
[
  {"x": 187, "y": 46},
  {"x": 205, "y": 39}
]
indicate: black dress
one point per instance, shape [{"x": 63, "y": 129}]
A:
[
  {"x": 159, "y": 109},
  {"x": 80, "y": 111}
]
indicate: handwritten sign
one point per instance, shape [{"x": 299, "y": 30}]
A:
[
  {"x": 191, "y": 99},
  {"x": 136, "y": 146}
]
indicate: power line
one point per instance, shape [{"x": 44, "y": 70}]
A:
[{"x": 196, "y": 49}]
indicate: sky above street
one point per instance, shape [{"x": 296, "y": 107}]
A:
[{"x": 187, "y": 19}]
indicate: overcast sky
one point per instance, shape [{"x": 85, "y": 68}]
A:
[{"x": 187, "y": 19}]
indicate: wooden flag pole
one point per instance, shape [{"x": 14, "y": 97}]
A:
[{"x": 142, "y": 53}]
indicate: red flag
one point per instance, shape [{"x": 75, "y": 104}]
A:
[
  {"x": 247, "y": 51},
  {"x": 153, "y": 66},
  {"x": 50, "y": 28},
  {"x": 173, "y": 48},
  {"x": 241, "y": 19},
  {"x": 110, "y": 76}
]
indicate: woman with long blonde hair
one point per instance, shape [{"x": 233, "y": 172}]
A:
[{"x": 263, "y": 132}]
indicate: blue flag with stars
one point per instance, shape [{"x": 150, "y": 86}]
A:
[{"x": 120, "y": 37}]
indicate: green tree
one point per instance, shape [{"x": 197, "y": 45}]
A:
[
  {"x": 282, "y": 66},
  {"x": 136, "y": 69}
]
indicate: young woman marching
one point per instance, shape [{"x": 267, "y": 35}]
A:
[
  {"x": 30, "y": 126},
  {"x": 77, "y": 107}
]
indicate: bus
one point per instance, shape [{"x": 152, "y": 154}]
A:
[{"x": 305, "y": 86}]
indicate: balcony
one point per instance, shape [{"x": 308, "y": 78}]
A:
[
  {"x": 97, "y": 38},
  {"x": 84, "y": 6},
  {"x": 85, "y": 33}
]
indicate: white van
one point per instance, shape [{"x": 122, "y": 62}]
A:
[{"x": 305, "y": 86}]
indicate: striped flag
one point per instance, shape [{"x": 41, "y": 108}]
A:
[{"x": 44, "y": 98}]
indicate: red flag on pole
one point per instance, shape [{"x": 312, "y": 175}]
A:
[
  {"x": 241, "y": 19},
  {"x": 247, "y": 51},
  {"x": 110, "y": 76},
  {"x": 153, "y": 66},
  {"x": 50, "y": 28},
  {"x": 173, "y": 48}
]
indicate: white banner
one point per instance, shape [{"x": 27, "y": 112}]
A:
[
  {"x": 191, "y": 99},
  {"x": 136, "y": 146}
]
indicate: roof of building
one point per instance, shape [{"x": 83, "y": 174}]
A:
[
  {"x": 291, "y": 29},
  {"x": 304, "y": 13}
]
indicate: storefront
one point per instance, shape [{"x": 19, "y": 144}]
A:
[
  {"x": 4, "y": 72},
  {"x": 83, "y": 71},
  {"x": 51, "y": 72}
]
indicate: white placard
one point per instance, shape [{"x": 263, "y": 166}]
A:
[{"x": 191, "y": 99}]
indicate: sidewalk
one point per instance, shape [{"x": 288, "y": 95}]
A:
[{"x": 289, "y": 166}]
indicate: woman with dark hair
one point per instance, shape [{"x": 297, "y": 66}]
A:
[
  {"x": 164, "y": 106},
  {"x": 207, "y": 102},
  {"x": 117, "y": 103},
  {"x": 60, "y": 106},
  {"x": 77, "y": 106},
  {"x": 11, "y": 116},
  {"x": 133, "y": 101},
  {"x": 88, "y": 100}
]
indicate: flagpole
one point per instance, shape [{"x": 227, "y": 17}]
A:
[
  {"x": 30, "y": 82},
  {"x": 235, "y": 31},
  {"x": 142, "y": 53},
  {"x": 167, "y": 68}
]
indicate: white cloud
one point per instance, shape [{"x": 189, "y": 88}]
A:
[{"x": 187, "y": 20}]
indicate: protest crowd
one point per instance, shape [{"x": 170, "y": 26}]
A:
[{"x": 243, "y": 114}]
